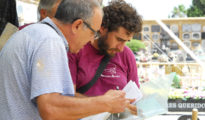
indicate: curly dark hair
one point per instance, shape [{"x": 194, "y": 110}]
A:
[{"x": 121, "y": 14}]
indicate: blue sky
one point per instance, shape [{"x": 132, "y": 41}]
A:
[{"x": 155, "y": 9}]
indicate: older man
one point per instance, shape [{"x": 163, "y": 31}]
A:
[
  {"x": 35, "y": 81},
  {"x": 120, "y": 23}
]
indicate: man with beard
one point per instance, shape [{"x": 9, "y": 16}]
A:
[
  {"x": 120, "y": 23},
  {"x": 35, "y": 81}
]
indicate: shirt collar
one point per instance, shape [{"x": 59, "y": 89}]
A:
[{"x": 50, "y": 22}]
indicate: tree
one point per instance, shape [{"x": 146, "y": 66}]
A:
[
  {"x": 197, "y": 9},
  {"x": 135, "y": 45},
  {"x": 202, "y": 2},
  {"x": 179, "y": 12}
]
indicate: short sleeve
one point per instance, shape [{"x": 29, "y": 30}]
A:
[{"x": 50, "y": 71}]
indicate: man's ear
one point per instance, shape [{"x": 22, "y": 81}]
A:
[
  {"x": 77, "y": 25},
  {"x": 103, "y": 30},
  {"x": 43, "y": 14}
]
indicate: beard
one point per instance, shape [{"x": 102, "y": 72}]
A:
[{"x": 104, "y": 47}]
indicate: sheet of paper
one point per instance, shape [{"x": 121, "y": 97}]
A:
[
  {"x": 100, "y": 116},
  {"x": 132, "y": 91}
]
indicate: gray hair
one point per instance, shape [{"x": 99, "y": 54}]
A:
[
  {"x": 71, "y": 10},
  {"x": 46, "y": 4}
]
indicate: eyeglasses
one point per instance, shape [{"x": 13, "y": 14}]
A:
[{"x": 96, "y": 33}]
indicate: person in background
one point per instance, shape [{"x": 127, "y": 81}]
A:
[
  {"x": 8, "y": 13},
  {"x": 120, "y": 23},
  {"x": 35, "y": 80},
  {"x": 46, "y": 8}
]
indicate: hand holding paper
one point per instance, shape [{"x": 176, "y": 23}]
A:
[{"x": 132, "y": 91}]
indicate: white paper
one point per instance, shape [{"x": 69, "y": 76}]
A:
[
  {"x": 132, "y": 91},
  {"x": 100, "y": 116}
]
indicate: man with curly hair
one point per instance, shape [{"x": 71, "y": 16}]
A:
[
  {"x": 35, "y": 81},
  {"x": 120, "y": 22}
]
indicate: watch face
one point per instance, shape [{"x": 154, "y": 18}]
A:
[
  {"x": 186, "y": 28},
  {"x": 196, "y": 35},
  {"x": 196, "y": 27},
  {"x": 155, "y": 28},
  {"x": 186, "y": 36},
  {"x": 174, "y": 28}
]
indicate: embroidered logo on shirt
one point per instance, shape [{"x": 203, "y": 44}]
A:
[{"x": 110, "y": 71}]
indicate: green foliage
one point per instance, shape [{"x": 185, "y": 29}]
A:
[
  {"x": 202, "y": 2},
  {"x": 197, "y": 9},
  {"x": 135, "y": 45},
  {"x": 194, "y": 12},
  {"x": 176, "y": 82},
  {"x": 179, "y": 12}
]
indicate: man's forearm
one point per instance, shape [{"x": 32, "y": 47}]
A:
[
  {"x": 55, "y": 106},
  {"x": 80, "y": 95}
]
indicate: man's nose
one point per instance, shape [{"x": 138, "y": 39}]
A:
[{"x": 121, "y": 46}]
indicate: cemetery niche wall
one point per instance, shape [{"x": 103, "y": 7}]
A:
[{"x": 191, "y": 31}]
